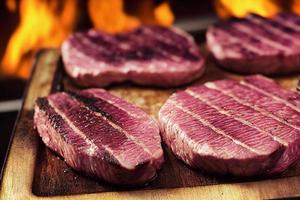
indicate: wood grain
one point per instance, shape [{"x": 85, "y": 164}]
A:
[{"x": 33, "y": 170}]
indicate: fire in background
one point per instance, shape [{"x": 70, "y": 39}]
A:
[
  {"x": 266, "y": 8},
  {"x": 45, "y": 24}
]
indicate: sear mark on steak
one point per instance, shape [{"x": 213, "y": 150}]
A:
[
  {"x": 256, "y": 44},
  {"x": 101, "y": 135},
  {"x": 148, "y": 55},
  {"x": 242, "y": 128},
  {"x": 90, "y": 103}
]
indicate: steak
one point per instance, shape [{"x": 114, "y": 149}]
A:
[
  {"x": 149, "y": 55},
  {"x": 228, "y": 127},
  {"x": 257, "y": 45},
  {"x": 101, "y": 135}
]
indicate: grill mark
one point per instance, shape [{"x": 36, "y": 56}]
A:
[
  {"x": 87, "y": 47},
  {"x": 270, "y": 86},
  {"x": 164, "y": 35},
  {"x": 174, "y": 51},
  {"x": 245, "y": 29},
  {"x": 100, "y": 48},
  {"x": 166, "y": 47},
  {"x": 113, "y": 102},
  {"x": 88, "y": 140},
  {"x": 246, "y": 45},
  {"x": 89, "y": 103},
  {"x": 212, "y": 127},
  {"x": 104, "y": 40},
  {"x": 109, "y": 157},
  {"x": 274, "y": 97},
  {"x": 102, "y": 63},
  {"x": 42, "y": 103},
  {"x": 243, "y": 121},
  {"x": 197, "y": 146},
  {"x": 231, "y": 48},
  {"x": 264, "y": 24},
  {"x": 159, "y": 33},
  {"x": 82, "y": 56},
  {"x": 226, "y": 102},
  {"x": 243, "y": 102},
  {"x": 101, "y": 60},
  {"x": 57, "y": 122},
  {"x": 236, "y": 50},
  {"x": 82, "y": 41},
  {"x": 186, "y": 139},
  {"x": 287, "y": 22},
  {"x": 96, "y": 43},
  {"x": 54, "y": 119},
  {"x": 102, "y": 53},
  {"x": 216, "y": 47}
]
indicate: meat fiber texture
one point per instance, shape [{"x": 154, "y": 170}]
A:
[
  {"x": 257, "y": 45},
  {"x": 149, "y": 55},
  {"x": 227, "y": 127},
  {"x": 101, "y": 135}
]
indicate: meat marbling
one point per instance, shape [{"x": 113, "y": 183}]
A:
[
  {"x": 257, "y": 45},
  {"x": 148, "y": 55},
  {"x": 243, "y": 128},
  {"x": 101, "y": 135}
]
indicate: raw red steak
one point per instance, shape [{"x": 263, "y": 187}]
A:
[
  {"x": 241, "y": 128},
  {"x": 257, "y": 45},
  {"x": 101, "y": 135},
  {"x": 148, "y": 56}
]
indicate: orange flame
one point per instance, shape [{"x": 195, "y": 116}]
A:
[
  {"x": 110, "y": 16},
  {"x": 163, "y": 14},
  {"x": 11, "y": 5},
  {"x": 46, "y": 24},
  {"x": 296, "y": 6},
  {"x": 42, "y": 24},
  {"x": 240, "y": 8}
]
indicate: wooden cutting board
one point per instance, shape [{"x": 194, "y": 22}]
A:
[{"x": 33, "y": 171}]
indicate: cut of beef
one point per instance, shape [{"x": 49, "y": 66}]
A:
[
  {"x": 148, "y": 56},
  {"x": 257, "y": 45},
  {"x": 101, "y": 135},
  {"x": 241, "y": 128}
]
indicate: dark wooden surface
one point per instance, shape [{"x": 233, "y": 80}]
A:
[{"x": 53, "y": 177}]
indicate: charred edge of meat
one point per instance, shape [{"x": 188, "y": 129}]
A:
[
  {"x": 298, "y": 86},
  {"x": 143, "y": 164},
  {"x": 90, "y": 103},
  {"x": 55, "y": 119},
  {"x": 111, "y": 159},
  {"x": 42, "y": 103}
]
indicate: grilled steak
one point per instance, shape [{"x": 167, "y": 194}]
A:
[
  {"x": 148, "y": 56},
  {"x": 257, "y": 45},
  {"x": 241, "y": 128},
  {"x": 101, "y": 135}
]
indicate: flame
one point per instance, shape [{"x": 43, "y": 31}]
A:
[
  {"x": 11, "y": 5},
  {"x": 163, "y": 14},
  {"x": 240, "y": 8},
  {"x": 45, "y": 24},
  {"x": 42, "y": 24},
  {"x": 110, "y": 16},
  {"x": 296, "y": 6}
]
